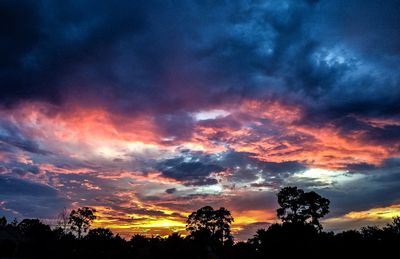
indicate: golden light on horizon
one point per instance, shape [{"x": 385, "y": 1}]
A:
[{"x": 381, "y": 213}]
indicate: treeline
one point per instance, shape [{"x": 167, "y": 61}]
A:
[{"x": 300, "y": 235}]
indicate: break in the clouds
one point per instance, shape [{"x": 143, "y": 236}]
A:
[{"x": 147, "y": 110}]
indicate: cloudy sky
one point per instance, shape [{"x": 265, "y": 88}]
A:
[{"x": 148, "y": 110}]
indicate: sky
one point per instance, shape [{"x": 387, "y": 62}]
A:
[{"x": 149, "y": 110}]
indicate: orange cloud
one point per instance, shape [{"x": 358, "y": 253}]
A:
[
  {"x": 324, "y": 146},
  {"x": 269, "y": 130}
]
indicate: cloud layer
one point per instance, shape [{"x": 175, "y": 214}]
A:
[{"x": 149, "y": 109}]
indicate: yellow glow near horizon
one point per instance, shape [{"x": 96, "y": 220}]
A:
[
  {"x": 163, "y": 223},
  {"x": 129, "y": 224},
  {"x": 376, "y": 213}
]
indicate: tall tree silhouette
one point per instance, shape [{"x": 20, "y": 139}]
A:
[
  {"x": 297, "y": 206},
  {"x": 214, "y": 223},
  {"x": 81, "y": 219}
]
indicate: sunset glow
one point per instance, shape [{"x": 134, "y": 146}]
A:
[{"x": 155, "y": 112}]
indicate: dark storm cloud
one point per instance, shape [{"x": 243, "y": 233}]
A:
[
  {"x": 194, "y": 168},
  {"x": 42, "y": 40},
  {"x": 30, "y": 199},
  {"x": 373, "y": 186},
  {"x": 360, "y": 167},
  {"x": 365, "y": 33},
  {"x": 139, "y": 211},
  {"x": 192, "y": 173},
  {"x": 365, "y": 23},
  {"x": 117, "y": 47},
  {"x": 10, "y": 185},
  {"x": 245, "y": 166},
  {"x": 388, "y": 134},
  {"x": 385, "y": 135},
  {"x": 21, "y": 169},
  {"x": 166, "y": 58},
  {"x": 170, "y": 190}
]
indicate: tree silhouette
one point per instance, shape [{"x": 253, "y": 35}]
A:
[
  {"x": 209, "y": 232},
  {"x": 209, "y": 222},
  {"x": 394, "y": 226},
  {"x": 100, "y": 234},
  {"x": 33, "y": 228},
  {"x": 139, "y": 240},
  {"x": 62, "y": 221},
  {"x": 3, "y": 222},
  {"x": 299, "y": 207},
  {"x": 81, "y": 219}
]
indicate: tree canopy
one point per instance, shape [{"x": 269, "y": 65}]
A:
[
  {"x": 81, "y": 219},
  {"x": 300, "y": 207},
  {"x": 214, "y": 223}
]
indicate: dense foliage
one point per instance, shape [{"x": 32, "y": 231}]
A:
[{"x": 300, "y": 235}]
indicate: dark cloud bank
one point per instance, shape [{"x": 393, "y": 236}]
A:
[{"x": 191, "y": 54}]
